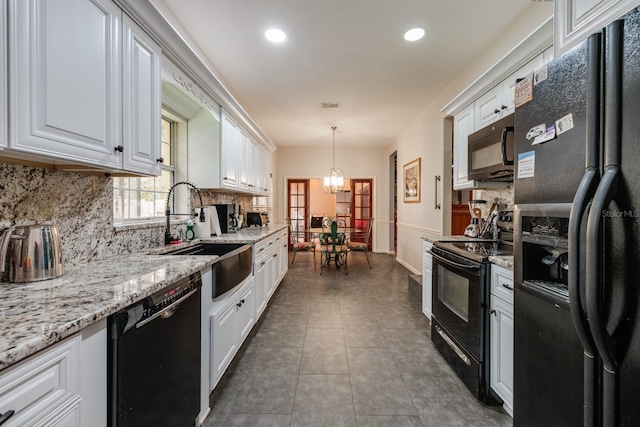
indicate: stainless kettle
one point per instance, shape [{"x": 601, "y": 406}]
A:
[{"x": 32, "y": 253}]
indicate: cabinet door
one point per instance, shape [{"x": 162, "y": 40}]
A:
[
  {"x": 230, "y": 139},
  {"x": 427, "y": 279},
  {"x": 501, "y": 340},
  {"x": 4, "y": 82},
  {"x": 246, "y": 312},
  {"x": 65, "y": 80},
  {"x": 463, "y": 125},
  {"x": 261, "y": 287},
  {"x": 502, "y": 283},
  {"x": 245, "y": 162},
  {"x": 284, "y": 254},
  {"x": 42, "y": 387},
  {"x": 509, "y": 84},
  {"x": 223, "y": 340},
  {"x": 488, "y": 108},
  {"x": 142, "y": 100},
  {"x": 575, "y": 20}
]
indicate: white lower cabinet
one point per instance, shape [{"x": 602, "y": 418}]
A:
[
  {"x": 501, "y": 335},
  {"x": 427, "y": 278},
  {"x": 231, "y": 320},
  {"x": 260, "y": 272},
  {"x": 44, "y": 389}
]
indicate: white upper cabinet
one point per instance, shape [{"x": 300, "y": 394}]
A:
[
  {"x": 576, "y": 20},
  {"x": 65, "y": 80},
  {"x": 499, "y": 101},
  {"x": 246, "y": 162},
  {"x": 142, "y": 100},
  {"x": 4, "y": 83},
  {"x": 463, "y": 126},
  {"x": 230, "y": 139},
  {"x": 489, "y": 107},
  {"x": 507, "y": 105},
  {"x": 84, "y": 87}
]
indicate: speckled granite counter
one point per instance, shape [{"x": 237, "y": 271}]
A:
[
  {"x": 502, "y": 261},
  {"x": 248, "y": 235},
  {"x": 454, "y": 239},
  {"x": 36, "y": 315}
]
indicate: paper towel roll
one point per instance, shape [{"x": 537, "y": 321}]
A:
[{"x": 203, "y": 229}]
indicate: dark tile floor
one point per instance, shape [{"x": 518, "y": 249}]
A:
[{"x": 337, "y": 350}]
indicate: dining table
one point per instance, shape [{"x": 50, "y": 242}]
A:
[{"x": 316, "y": 232}]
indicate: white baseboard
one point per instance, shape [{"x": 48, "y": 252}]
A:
[{"x": 407, "y": 266}]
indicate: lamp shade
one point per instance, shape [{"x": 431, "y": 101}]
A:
[{"x": 333, "y": 179}]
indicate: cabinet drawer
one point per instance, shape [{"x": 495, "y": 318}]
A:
[
  {"x": 41, "y": 386},
  {"x": 502, "y": 283},
  {"x": 260, "y": 249}
]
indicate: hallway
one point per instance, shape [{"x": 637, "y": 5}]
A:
[{"x": 336, "y": 350}]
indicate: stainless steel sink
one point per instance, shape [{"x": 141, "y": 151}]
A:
[{"x": 234, "y": 265}]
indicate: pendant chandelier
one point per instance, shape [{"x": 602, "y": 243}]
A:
[{"x": 333, "y": 179}]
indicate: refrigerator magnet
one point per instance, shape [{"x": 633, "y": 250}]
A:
[
  {"x": 536, "y": 131},
  {"x": 540, "y": 75},
  {"x": 526, "y": 164},
  {"x": 549, "y": 134},
  {"x": 523, "y": 91},
  {"x": 564, "y": 124}
]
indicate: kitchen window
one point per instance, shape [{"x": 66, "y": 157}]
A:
[{"x": 136, "y": 199}]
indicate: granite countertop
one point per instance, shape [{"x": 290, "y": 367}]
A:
[
  {"x": 36, "y": 315},
  {"x": 457, "y": 238},
  {"x": 505, "y": 261},
  {"x": 248, "y": 235}
]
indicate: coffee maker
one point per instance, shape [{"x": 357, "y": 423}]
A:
[{"x": 228, "y": 217}]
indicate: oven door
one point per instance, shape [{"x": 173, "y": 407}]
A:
[{"x": 457, "y": 298}]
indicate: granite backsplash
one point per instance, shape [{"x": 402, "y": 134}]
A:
[{"x": 81, "y": 206}]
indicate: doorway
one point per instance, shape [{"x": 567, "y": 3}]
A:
[
  {"x": 362, "y": 206},
  {"x": 393, "y": 206},
  {"x": 298, "y": 205}
]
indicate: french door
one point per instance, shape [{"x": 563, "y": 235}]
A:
[
  {"x": 362, "y": 207},
  {"x": 298, "y": 205}
]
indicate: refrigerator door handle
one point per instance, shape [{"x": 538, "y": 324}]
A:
[
  {"x": 579, "y": 208},
  {"x": 505, "y": 131},
  {"x": 604, "y": 194}
]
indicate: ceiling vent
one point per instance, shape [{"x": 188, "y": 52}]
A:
[{"x": 330, "y": 105}]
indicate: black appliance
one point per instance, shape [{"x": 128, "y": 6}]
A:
[
  {"x": 154, "y": 359},
  {"x": 491, "y": 152},
  {"x": 227, "y": 217},
  {"x": 460, "y": 320},
  {"x": 577, "y": 334}
]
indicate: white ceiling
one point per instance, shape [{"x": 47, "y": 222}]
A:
[{"x": 346, "y": 51}]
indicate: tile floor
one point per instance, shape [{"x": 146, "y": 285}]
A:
[{"x": 336, "y": 350}]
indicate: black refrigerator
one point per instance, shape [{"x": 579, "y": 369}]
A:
[{"x": 577, "y": 235}]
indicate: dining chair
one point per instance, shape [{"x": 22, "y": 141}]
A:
[
  {"x": 363, "y": 246},
  {"x": 333, "y": 244},
  {"x": 301, "y": 241}
]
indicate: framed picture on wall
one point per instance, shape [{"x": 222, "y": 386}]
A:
[{"x": 412, "y": 181}]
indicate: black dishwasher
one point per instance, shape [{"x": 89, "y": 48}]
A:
[{"x": 154, "y": 359}]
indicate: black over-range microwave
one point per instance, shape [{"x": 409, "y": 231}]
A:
[{"x": 491, "y": 152}]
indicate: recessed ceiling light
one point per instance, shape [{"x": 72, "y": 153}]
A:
[
  {"x": 275, "y": 35},
  {"x": 414, "y": 34}
]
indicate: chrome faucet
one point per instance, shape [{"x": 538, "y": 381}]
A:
[{"x": 167, "y": 211}]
